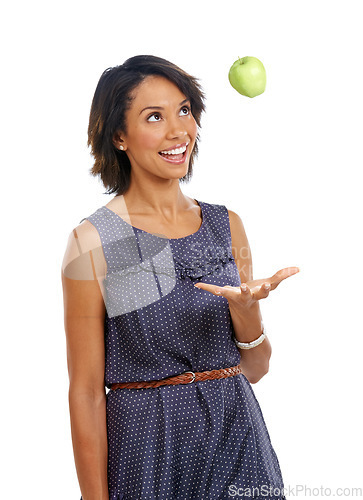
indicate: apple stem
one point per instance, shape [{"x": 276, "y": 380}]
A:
[{"x": 240, "y": 60}]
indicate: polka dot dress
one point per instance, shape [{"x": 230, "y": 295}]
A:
[{"x": 200, "y": 441}]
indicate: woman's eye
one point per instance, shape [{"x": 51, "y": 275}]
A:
[
  {"x": 185, "y": 110},
  {"x": 155, "y": 117}
]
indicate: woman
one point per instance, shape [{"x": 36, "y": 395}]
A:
[{"x": 158, "y": 291}]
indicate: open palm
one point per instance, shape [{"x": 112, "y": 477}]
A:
[{"x": 248, "y": 293}]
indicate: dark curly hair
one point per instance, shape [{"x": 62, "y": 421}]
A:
[{"x": 112, "y": 99}]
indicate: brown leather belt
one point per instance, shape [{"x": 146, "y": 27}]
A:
[{"x": 184, "y": 378}]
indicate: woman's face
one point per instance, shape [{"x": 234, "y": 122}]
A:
[{"x": 160, "y": 130}]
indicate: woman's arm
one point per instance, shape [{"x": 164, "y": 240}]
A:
[
  {"x": 84, "y": 313},
  {"x": 247, "y": 327}
]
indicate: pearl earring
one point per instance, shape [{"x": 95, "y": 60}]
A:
[{"x": 121, "y": 147}]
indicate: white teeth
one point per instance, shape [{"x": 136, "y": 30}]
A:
[{"x": 177, "y": 151}]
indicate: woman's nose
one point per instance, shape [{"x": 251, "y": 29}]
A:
[{"x": 176, "y": 128}]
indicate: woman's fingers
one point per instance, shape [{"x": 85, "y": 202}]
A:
[
  {"x": 286, "y": 273},
  {"x": 206, "y": 286},
  {"x": 226, "y": 291},
  {"x": 243, "y": 292},
  {"x": 261, "y": 292},
  {"x": 264, "y": 290},
  {"x": 282, "y": 274},
  {"x": 254, "y": 289}
]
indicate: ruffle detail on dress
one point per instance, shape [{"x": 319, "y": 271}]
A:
[{"x": 217, "y": 265}]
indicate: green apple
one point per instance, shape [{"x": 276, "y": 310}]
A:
[{"x": 248, "y": 76}]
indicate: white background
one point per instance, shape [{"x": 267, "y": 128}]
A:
[{"x": 287, "y": 162}]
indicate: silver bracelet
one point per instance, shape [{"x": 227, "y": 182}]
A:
[{"x": 254, "y": 343}]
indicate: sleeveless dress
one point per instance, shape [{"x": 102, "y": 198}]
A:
[{"x": 205, "y": 440}]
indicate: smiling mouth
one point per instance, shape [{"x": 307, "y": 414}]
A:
[{"x": 177, "y": 155}]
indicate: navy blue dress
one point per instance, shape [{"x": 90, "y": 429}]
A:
[{"x": 200, "y": 441}]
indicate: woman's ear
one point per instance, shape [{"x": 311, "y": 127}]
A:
[{"x": 118, "y": 142}]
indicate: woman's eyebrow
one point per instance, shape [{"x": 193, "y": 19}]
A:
[{"x": 159, "y": 107}]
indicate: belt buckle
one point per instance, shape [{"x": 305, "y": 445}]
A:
[{"x": 193, "y": 377}]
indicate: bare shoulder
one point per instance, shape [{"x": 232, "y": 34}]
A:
[
  {"x": 88, "y": 236},
  {"x": 240, "y": 246},
  {"x": 237, "y": 227},
  {"x": 84, "y": 311},
  {"x": 84, "y": 258}
]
